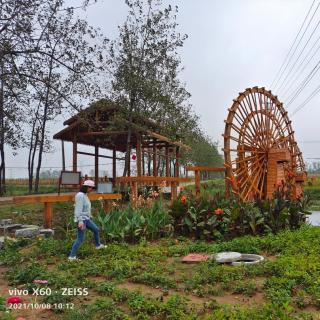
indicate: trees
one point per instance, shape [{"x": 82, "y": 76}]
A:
[
  {"x": 203, "y": 152},
  {"x": 49, "y": 54},
  {"x": 15, "y": 41},
  {"x": 60, "y": 71},
  {"x": 145, "y": 64}
]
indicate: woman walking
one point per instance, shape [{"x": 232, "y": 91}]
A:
[{"x": 82, "y": 216}]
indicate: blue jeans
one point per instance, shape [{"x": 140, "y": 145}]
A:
[{"x": 80, "y": 237}]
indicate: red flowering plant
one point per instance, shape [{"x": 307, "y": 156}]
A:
[
  {"x": 284, "y": 209},
  {"x": 218, "y": 211},
  {"x": 184, "y": 200},
  {"x": 200, "y": 217}
]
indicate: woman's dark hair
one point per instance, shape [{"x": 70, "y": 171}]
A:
[{"x": 84, "y": 189}]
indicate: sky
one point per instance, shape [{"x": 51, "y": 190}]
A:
[{"x": 232, "y": 45}]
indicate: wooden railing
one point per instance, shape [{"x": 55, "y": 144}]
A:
[
  {"x": 49, "y": 199},
  {"x": 197, "y": 170}
]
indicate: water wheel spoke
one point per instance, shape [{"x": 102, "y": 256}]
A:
[
  {"x": 238, "y": 161},
  {"x": 254, "y": 124},
  {"x": 252, "y": 183},
  {"x": 247, "y": 168}
]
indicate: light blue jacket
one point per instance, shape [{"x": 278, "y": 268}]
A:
[{"x": 82, "y": 209}]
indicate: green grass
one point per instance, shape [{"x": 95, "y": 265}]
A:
[
  {"x": 288, "y": 280},
  {"x": 20, "y": 190},
  {"x": 210, "y": 187},
  {"x": 314, "y": 194}
]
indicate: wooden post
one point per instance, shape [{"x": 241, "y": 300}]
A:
[
  {"x": 227, "y": 185},
  {"x": 107, "y": 206},
  {"x": 138, "y": 149},
  {"x": 154, "y": 158},
  {"x": 63, "y": 156},
  {"x": 149, "y": 164},
  {"x": 177, "y": 169},
  {"x": 134, "y": 193},
  {"x": 197, "y": 182},
  {"x": 167, "y": 163},
  {"x": 96, "y": 165},
  {"x": 114, "y": 167},
  {"x": 48, "y": 215},
  {"x": 173, "y": 191},
  {"x": 74, "y": 158},
  {"x": 129, "y": 165},
  {"x": 143, "y": 162}
]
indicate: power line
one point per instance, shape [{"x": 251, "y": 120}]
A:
[
  {"x": 304, "y": 83},
  {"x": 312, "y": 33},
  {"x": 298, "y": 74},
  {"x": 302, "y": 105},
  {"x": 288, "y": 54}
]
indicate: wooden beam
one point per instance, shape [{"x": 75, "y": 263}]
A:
[
  {"x": 162, "y": 155},
  {"x": 177, "y": 168},
  {"x": 204, "y": 168},
  {"x": 48, "y": 215},
  {"x": 154, "y": 158},
  {"x": 165, "y": 139},
  {"x": 96, "y": 165},
  {"x": 63, "y": 156},
  {"x": 100, "y": 155},
  {"x": 197, "y": 182},
  {"x": 138, "y": 149},
  {"x": 114, "y": 166},
  {"x": 151, "y": 179},
  {"x": 167, "y": 162},
  {"x": 173, "y": 191},
  {"x": 134, "y": 192},
  {"x": 74, "y": 153},
  {"x": 62, "y": 197},
  {"x": 159, "y": 136},
  {"x": 129, "y": 163},
  {"x": 143, "y": 162},
  {"x": 101, "y": 133}
]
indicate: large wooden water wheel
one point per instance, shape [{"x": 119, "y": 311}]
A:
[{"x": 259, "y": 145}]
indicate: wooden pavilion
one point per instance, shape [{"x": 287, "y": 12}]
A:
[{"x": 105, "y": 125}]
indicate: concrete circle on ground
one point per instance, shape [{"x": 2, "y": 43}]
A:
[
  {"x": 248, "y": 259},
  {"x": 225, "y": 257}
]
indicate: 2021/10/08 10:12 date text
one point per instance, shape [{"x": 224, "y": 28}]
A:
[{"x": 37, "y": 306}]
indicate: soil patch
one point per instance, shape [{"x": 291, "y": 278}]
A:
[{"x": 197, "y": 302}]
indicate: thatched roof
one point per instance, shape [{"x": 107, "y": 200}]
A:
[{"x": 105, "y": 124}]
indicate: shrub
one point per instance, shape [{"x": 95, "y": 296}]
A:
[{"x": 132, "y": 224}]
